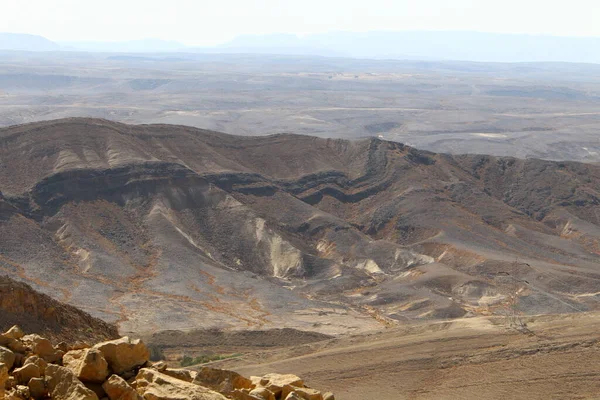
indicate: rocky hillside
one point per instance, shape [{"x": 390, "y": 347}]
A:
[
  {"x": 291, "y": 231},
  {"x": 36, "y": 312},
  {"x": 31, "y": 368}
]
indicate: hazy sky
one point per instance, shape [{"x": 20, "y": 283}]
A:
[{"x": 216, "y": 21}]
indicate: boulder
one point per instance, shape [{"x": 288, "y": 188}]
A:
[
  {"x": 292, "y": 396},
  {"x": 117, "y": 388},
  {"x": 88, "y": 365},
  {"x": 37, "y": 388},
  {"x": 42, "y": 348},
  {"x": 40, "y": 362},
  {"x": 222, "y": 381},
  {"x": 328, "y": 396},
  {"x": 7, "y": 357},
  {"x": 124, "y": 354},
  {"x": 160, "y": 366},
  {"x": 63, "y": 385},
  {"x": 14, "y": 333},
  {"x": 13, "y": 344},
  {"x": 238, "y": 394},
  {"x": 276, "y": 382},
  {"x": 182, "y": 374},
  {"x": 154, "y": 385},
  {"x": 262, "y": 393},
  {"x": 26, "y": 372},
  {"x": 309, "y": 394}
]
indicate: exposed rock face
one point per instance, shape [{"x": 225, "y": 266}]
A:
[{"x": 120, "y": 370}]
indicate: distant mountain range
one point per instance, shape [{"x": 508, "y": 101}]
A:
[
  {"x": 421, "y": 45},
  {"x": 24, "y": 42}
]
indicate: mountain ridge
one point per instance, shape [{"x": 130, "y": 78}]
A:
[{"x": 294, "y": 231}]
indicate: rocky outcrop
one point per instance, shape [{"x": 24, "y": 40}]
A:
[{"x": 120, "y": 370}]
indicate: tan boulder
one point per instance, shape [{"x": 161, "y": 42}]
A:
[
  {"x": 43, "y": 348},
  {"x": 124, "y": 354},
  {"x": 79, "y": 345},
  {"x": 40, "y": 362},
  {"x": 7, "y": 357},
  {"x": 182, "y": 374},
  {"x": 117, "y": 388},
  {"x": 37, "y": 388},
  {"x": 262, "y": 393},
  {"x": 222, "y": 381},
  {"x": 14, "y": 333},
  {"x": 309, "y": 394},
  {"x": 292, "y": 396},
  {"x": 276, "y": 382},
  {"x": 238, "y": 394},
  {"x": 63, "y": 385},
  {"x": 328, "y": 396},
  {"x": 88, "y": 365},
  {"x": 13, "y": 344},
  {"x": 160, "y": 366},
  {"x": 154, "y": 385},
  {"x": 26, "y": 372}
]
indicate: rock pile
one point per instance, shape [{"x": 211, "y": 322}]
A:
[{"x": 32, "y": 368}]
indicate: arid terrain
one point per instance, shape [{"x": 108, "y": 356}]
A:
[
  {"x": 541, "y": 110},
  {"x": 289, "y": 231},
  {"x": 476, "y": 358}
]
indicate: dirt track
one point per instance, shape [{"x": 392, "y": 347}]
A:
[{"x": 468, "y": 359}]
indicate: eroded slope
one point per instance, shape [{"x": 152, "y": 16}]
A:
[{"x": 158, "y": 226}]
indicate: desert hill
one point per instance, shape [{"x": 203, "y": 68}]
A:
[
  {"x": 159, "y": 227},
  {"x": 36, "y": 312}
]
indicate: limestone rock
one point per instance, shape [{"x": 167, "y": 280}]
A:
[
  {"x": 154, "y": 385},
  {"x": 40, "y": 362},
  {"x": 124, "y": 354},
  {"x": 276, "y": 382},
  {"x": 14, "y": 333},
  {"x": 7, "y": 357},
  {"x": 182, "y": 374},
  {"x": 238, "y": 394},
  {"x": 262, "y": 393},
  {"x": 309, "y": 394},
  {"x": 37, "y": 388},
  {"x": 26, "y": 372},
  {"x": 328, "y": 396},
  {"x": 222, "y": 381},
  {"x": 160, "y": 366},
  {"x": 43, "y": 348},
  {"x": 63, "y": 385},
  {"x": 117, "y": 388},
  {"x": 88, "y": 365},
  {"x": 12, "y": 344}
]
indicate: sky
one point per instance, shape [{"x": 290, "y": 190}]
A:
[{"x": 208, "y": 23}]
